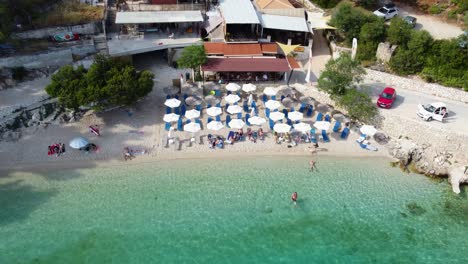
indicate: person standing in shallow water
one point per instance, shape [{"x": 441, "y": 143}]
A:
[
  {"x": 312, "y": 165},
  {"x": 294, "y": 198}
]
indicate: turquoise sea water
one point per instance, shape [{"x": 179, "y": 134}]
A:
[{"x": 232, "y": 211}]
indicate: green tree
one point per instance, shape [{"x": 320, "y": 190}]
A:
[
  {"x": 370, "y": 36},
  {"x": 192, "y": 57},
  {"x": 358, "y": 104},
  {"x": 399, "y": 32},
  {"x": 67, "y": 84},
  {"x": 411, "y": 60},
  {"x": 326, "y": 3},
  {"x": 340, "y": 75},
  {"x": 348, "y": 20}
]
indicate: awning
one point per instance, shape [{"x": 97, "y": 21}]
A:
[
  {"x": 238, "y": 12},
  {"x": 147, "y": 17},
  {"x": 318, "y": 21},
  {"x": 284, "y": 23},
  {"x": 246, "y": 65},
  {"x": 231, "y": 50},
  {"x": 293, "y": 63},
  {"x": 271, "y": 48}
]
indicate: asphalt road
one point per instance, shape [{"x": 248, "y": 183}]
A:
[{"x": 407, "y": 102}]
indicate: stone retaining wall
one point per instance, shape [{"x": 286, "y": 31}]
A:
[{"x": 85, "y": 29}]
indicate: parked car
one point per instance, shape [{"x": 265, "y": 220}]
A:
[
  {"x": 437, "y": 111},
  {"x": 388, "y": 11},
  {"x": 410, "y": 20},
  {"x": 386, "y": 98}
]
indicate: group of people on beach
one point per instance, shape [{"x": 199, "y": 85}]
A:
[
  {"x": 215, "y": 141},
  {"x": 56, "y": 149}
]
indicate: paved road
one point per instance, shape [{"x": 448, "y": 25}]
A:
[{"x": 407, "y": 102}]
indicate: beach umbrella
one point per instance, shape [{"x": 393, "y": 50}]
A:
[
  {"x": 211, "y": 99},
  {"x": 341, "y": 118},
  {"x": 236, "y": 123},
  {"x": 215, "y": 87},
  {"x": 323, "y": 108},
  {"x": 272, "y": 104},
  {"x": 233, "y": 87},
  {"x": 193, "y": 90},
  {"x": 381, "y": 138},
  {"x": 288, "y": 102},
  {"x": 232, "y": 98},
  {"x": 322, "y": 125},
  {"x": 281, "y": 128},
  {"x": 285, "y": 90},
  {"x": 275, "y": 116},
  {"x": 171, "y": 117},
  {"x": 78, "y": 142},
  {"x": 307, "y": 100},
  {"x": 302, "y": 127},
  {"x": 256, "y": 120},
  {"x": 234, "y": 109},
  {"x": 368, "y": 130},
  {"x": 190, "y": 114},
  {"x": 270, "y": 91},
  {"x": 193, "y": 100},
  {"x": 171, "y": 90},
  {"x": 214, "y": 111},
  {"x": 215, "y": 125},
  {"x": 172, "y": 103},
  {"x": 295, "y": 116},
  {"x": 248, "y": 88},
  {"x": 192, "y": 127}
]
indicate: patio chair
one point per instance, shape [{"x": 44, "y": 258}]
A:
[
  {"x": 218, "y": 118},
  {"x": 180, "y": 124},
  {"x": 325, "y": 136},
  {"x": 247, "y": 116},
  {"x": 345, "y": 133},
  {"x": 228, "y": 119},
  {"x": 167, "y": 126},
  {"x": 337, "y": 127},
  {"x": 319, "y": 116},
  {"x": 310, "y": 110},
  {"x": 327, "y": 118},
  {"x": 183, "y": 109}
]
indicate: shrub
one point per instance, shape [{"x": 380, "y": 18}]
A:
[
  {"x": 358, "y": 104},
  {"x": 326, "y": 3},
  {"x": 411, "y": 60},
  {"x": 348, "y": 21},
  {"x": 435, "y": 9},
  {"x": 399, "y": 32},
  {"x": 370, "y": 36}
]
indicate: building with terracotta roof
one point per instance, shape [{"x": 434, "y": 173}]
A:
[{"x": 274, "y": 4}]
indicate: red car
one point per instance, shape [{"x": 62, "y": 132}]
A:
[{"x": 386, "y": 98}]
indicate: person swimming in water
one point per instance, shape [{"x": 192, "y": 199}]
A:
[
  {"x": 294, "y": 198},
  {"x": 312, "y": 165}
]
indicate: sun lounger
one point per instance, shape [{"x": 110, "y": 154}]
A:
[
  {"x": 183, "y": 109},
  {"x": 230, "y": 137},
  {"x": 218, "y": 105},
  {"x": 228, "y": 119},
  {"x": 325, "y": 136},
  {"x": 247, "y": 116},
  {"x": 337, "y": 127},
  {"x": 285, "y": 112},
  {"x": 208, "y": 106},
  {"x": 188, "y": 121},
  {"x": 180, "y": 124},
  {"x": 168, "y": 110},
  {"x": 168, "y": 97},
  {"x": 198, "y": 121},
  {"x": 239, "y": 115},
  {"x": 177, "y": 111},
  {"x": 177, "y": 97},
  {"x": 327, "y": 118},
  {"x": 345, "y": 133},
  {"x": 218, "y": 118},
  {"x": 368, "y": 147},
  {"x": 226, "y": 107},
  {"x": 185, "y": 97},
  {"x": 310, "y": 110},
  {"x": 167, "y": 126},
  {"x": 228, "y": 92},
  {"x": 264, "y": 98},
  {"x": 272, "y": 124},
  {"x": 198, "y": 108},
  {"x": 253, "y": 104},
  {"x": 246, "y": 106},
  {"x": 273, "y": 97},
  {"x": 313, "y": 136},
  {"x": 218, "y": 93},
  {"x": 267, "y": 112},
  {"x": 209, "y": 120},
  {"x": 302, "y": 108},
  {"x": 289, "y": 122},
  {"x": 282, "y": 97},
  {"x": 319, "y": 116}
]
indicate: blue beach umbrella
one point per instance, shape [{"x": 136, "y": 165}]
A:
[{"x": 78, "y": 142}]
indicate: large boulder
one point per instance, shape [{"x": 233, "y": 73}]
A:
[{"x": 458, "y": 176}]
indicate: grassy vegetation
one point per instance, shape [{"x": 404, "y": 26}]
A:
[{"x": 70, "y": 13}]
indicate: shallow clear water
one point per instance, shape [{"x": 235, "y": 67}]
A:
[{"x": 232, "y": 211}]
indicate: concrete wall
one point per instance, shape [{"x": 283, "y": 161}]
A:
[
  {"x": 51, "y": 58},
  {"x": 85, "y": 29}
]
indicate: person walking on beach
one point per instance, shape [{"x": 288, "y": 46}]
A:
[
  {"x": 294, "y": 198},
  {"x": 312, "y": 165}
]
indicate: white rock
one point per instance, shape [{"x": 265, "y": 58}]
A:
[{"x": 457, "y": 177}]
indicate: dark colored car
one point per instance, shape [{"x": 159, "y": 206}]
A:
[
  {"x": 410, "y": 20},
  {"x": 386, "y": 98}
]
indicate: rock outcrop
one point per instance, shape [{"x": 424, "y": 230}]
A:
[{"x": 457, "y": 177}]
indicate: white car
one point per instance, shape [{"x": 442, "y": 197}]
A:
[
  {"x": 436, "y": 111},
  {"x": 387, "y": 11}
]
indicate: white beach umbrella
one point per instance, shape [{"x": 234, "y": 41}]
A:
[
  {"x": 368, "y": 130},
  {"x": 302, "y": 127},
  {"x": 192, "y": 127},
  {"x": 233, "y": 87},
  {"x": 214, "y": 111},
  {"x": 323, "y": 108},
  {"x": 322, "y": 125},
  {"x": 256, "y": 120},
  {"x": 248, "y": 88},
  {"x": 215, "y": 125},
  {"x": 281, "y": 128},
  {"x": 295, "y": 116},
  {"x": 272, "y": 104},
  {"x": 193, "y": 100},
  {"x": 232, "y": 98},
  {"x": 234, "y": 109},
  {"x": 171, "y": 117},
  {"x": 78, "y": 142},
  {"x": 275, "y": 116},
  {"x": 172, "y": 103},
  {"x": 270, "y": 91},
  {"x": 236, "y": 123},
  {"x": 192, "y": 114}
]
